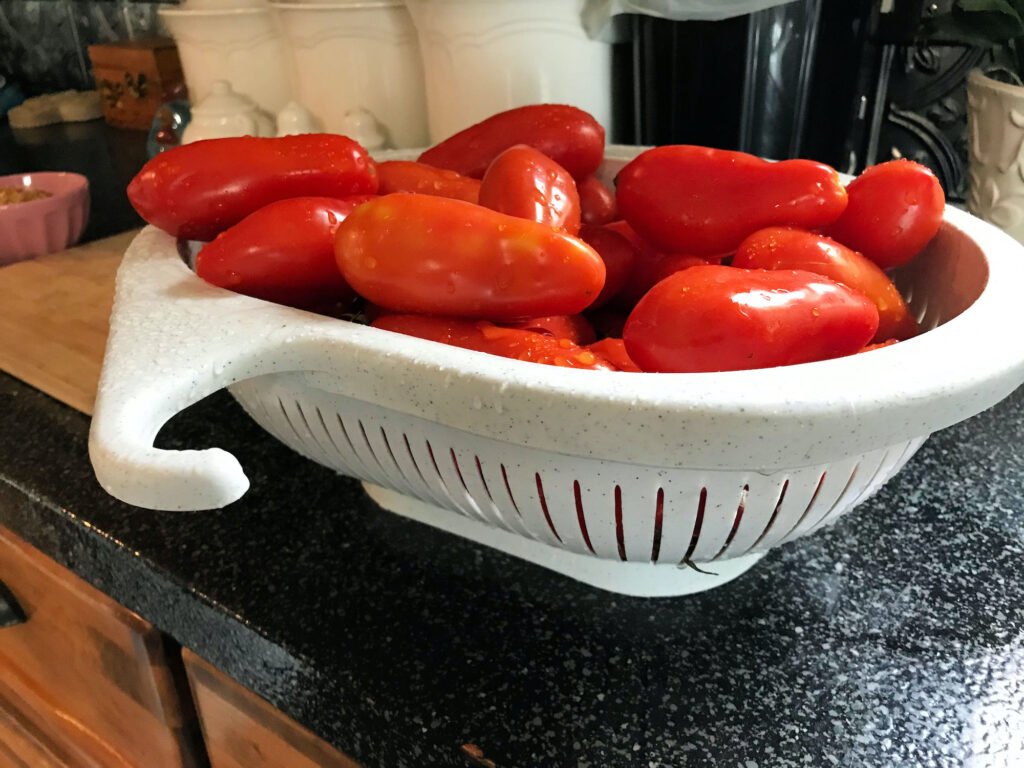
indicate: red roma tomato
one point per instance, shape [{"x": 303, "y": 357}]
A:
[
  {"x": 575, "y": 328},
  {"x": 783, "y": 248},
  {"x": 702, "y": 201},
  {"x": 569, "y": 136},
  {"x": 283, "y": 252},
  {"x": 618, "y": 255},
  {"x": 650, "y": 272},
  {"x": 614, "y": 351},
  {"x": 417, "y": 253},
  {"x": 650, "y": 266},
  {"x": 198, "y": 190},
  {"x": 597, "y": 203},
  {"x": 483, "y": 336},
  {"x": 526, "y": 183},
  {"x": 409, "y": 176},
  {"x": 895, "y": 209},
  {"x": 717, "y": 318}
]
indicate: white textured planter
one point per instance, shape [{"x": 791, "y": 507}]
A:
[
  {"x": 995, "y": 124},
  {"x": 485, "y": 56}
]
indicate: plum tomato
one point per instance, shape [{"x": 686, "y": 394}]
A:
[
  {"x": 575, "y": 328},
  {"x": 198, "y": 190},
  {"x": 410, "y": 176},
  {"x": 284, "y": 252},
  {"x": 526, "y": 183},
  {"x": 483, "y": 336},
  {"x": 648, "y": 268},
  {"x": 569, "y": 136},
  {"x": 785, "y": 248},
  {"x": 597, "y": 202},
  {"x": 703, "y": 202},
  {"x": 619, "y": 257},
  {"x": 418, "y": 253},
  {"x": 895, "y": 208},
  {"x": 614, "y": 351},
  {"x": 717, "y": 318}
]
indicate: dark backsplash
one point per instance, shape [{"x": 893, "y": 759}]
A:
[{"x": 44, "y": 43}]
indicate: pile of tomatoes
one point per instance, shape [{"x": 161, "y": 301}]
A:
[{"x": 502, "y": 240}]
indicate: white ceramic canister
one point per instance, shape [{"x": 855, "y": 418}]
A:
[
  {"x": 240, "y": 45},
  {"x": 357, "y": 59},
  {"x": 485, "y": 56}
]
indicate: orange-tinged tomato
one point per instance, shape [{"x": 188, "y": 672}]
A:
[
  {"x": 576, "y": 328},
  {"x": 484, "y": 336},
  {"x": 785, "y": 248},
  {"x": 418, "y": 253},
  {"x": 410, "y": 176},
  {"x": 614, "y": 351}
]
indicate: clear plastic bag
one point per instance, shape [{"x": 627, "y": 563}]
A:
[{"x": 597, "y": 13}]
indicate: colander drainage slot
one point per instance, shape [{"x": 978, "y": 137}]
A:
[
  {"x": 580, "y": 516},
  {"x": 369, "y": 447},
  {"x": 696, "y": 526},
  {"x": 736, "y": 521},
  {"x": 771, "y": 520},
  {"x": 619, "y": 540},
  {"x": 807, "y": 509},
  {"x": 840, "y": 502},
  {"x": 483, "y": 480},
  {"x": 544, "y": 506},
  {"x": 504, "y": 476},
  {"x": 659, "y": 516}
]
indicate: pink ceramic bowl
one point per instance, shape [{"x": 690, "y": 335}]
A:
[{"x": 43, "y": 226}]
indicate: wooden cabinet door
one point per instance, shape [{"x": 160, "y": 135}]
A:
[
  {"x": 244, "y": 731},
  {"x": 84, "y": 681}
]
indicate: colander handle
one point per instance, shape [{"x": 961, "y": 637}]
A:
[{"x": 174, "y": 340}]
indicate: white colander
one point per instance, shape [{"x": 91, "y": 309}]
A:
[{"x": 613, "y": 478}]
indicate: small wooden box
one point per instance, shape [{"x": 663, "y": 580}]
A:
[{"x": 134, "y": 77}]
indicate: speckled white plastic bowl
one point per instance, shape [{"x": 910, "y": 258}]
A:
[{"x": 613, "y": 478}]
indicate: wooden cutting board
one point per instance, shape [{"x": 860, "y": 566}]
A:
[{"x": 54, "y": 315}]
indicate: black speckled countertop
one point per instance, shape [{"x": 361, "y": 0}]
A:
[{"x": 894, "y": 638}]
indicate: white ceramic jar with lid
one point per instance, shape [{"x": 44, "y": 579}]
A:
[
  {"x": 233, "y": 40},
  {"x": 224, "y": 113},
  {"x": 357, "y": 62},
  {"x": 485, "y": 56}
]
